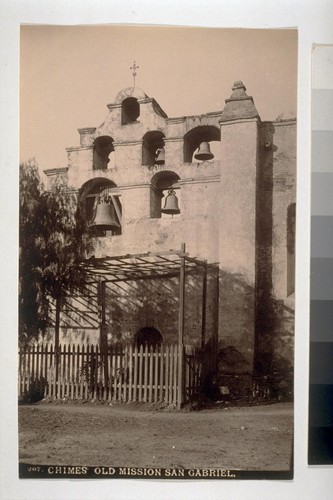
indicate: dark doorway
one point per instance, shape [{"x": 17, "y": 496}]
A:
[{"x": 148, "y": 336}]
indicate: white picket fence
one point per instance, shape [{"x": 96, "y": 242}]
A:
[{"x": 125, "y": 374}]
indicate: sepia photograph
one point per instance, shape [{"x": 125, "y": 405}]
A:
[{"x": 157, "y": 198}]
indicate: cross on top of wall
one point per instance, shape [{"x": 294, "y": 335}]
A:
[{"x": 134, "y": 67}]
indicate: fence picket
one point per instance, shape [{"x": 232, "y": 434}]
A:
[
  {"x": 156, "y": 359},
  {"x": 125, "y": 375},
  {"x": 57, "y": 375},
  {"x": 145, "y": 379},
  {"x": 95, "y": 370},
  {"x": 105, "y": 372},
  {"x": 161, "y": 381},
  {"x": 175, "y": 375},
  {"x": 85, "y": 372},
  {"x": 170, "y": 376},
  {"x": 130, "y": 372},
  {"x": 167, "y": 350},
  {"x": 140, "y": 373},
  {"x": 63, "y": 374},
  {"x": 119, "y": 372},
  {"x": 41, "y": 361},
  {"x": 28, "y": 369},
  {"x": 114, "y": 373},
  {"x": 135, "y": 381},
  {"x": 63, "y": 371},
  {"x": 76, "y": 372},
  {"x": 36, "y": 352},
  {"x": 70, "y": 371},
  {"x": 49, "y": 371},
  {"x": 151, "y": 360},
  {"x": 110, "y": 368}
]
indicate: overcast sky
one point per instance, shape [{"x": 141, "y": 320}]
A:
[{"x": 69, "y": 74}]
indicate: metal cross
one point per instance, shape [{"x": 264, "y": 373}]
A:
[{"x": 134, "y": 67}]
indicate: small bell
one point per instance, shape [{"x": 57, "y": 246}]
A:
[
  {"x": 171, "y": 204},
  {"x": 160, "y": 158},
  {"x": 204, "y": 152}
]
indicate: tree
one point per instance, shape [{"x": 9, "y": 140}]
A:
[{"x": 53, "y": 242}]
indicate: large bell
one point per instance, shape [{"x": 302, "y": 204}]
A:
[
  {"x": 160, "y": 158},
  {"x": 171, "y": 204},
  {"x": 105, "y": 218},
  {"x": 204, "y": 152}
]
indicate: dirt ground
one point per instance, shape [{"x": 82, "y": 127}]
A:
[{"x": 123, "y": 435}]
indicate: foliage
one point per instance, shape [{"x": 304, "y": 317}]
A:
[{"x": 53, "y": 241}]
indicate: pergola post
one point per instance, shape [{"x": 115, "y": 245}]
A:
[
  {"x": 204, "y": 302},
  {"x": 216, "y": 315},
  {"x": 103, "y": 341},
  {"x": 181, "y": 324},
  {"x": 101, "y": 297}
]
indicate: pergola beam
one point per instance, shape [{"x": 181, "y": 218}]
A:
[{"x": 143, "y": 266}]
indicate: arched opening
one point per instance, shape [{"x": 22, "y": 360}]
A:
[
  {"x": 198, "y": 135},
  {"x": 94, "y": 193},
  {"x": 148, "y": 336},
  {"x": 103, "y": 147},
  {"x": 151, "y": 143},
  {"x": 161, "y": 184},
  {"x": 130, "y": 110},
  {"x": 291, "y": 232}
]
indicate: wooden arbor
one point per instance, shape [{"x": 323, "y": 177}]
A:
[{"x": 170, "y": 264}]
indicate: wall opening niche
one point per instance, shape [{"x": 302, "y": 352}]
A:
[
  {"x": 103, "y": 147},
  {"x": 101, "y": 207},
  {"x": 130, "y": 110},
  {"x": 152, "y": 143},
  {"x": 197, "y": 136},
  {"x": 148, "y": 336},
  {"x": 162, "y": 184}
]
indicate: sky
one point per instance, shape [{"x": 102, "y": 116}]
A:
[{"x": 68, "y": 74}]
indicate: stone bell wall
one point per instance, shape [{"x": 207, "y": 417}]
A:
[{"x": 233, "y": 211}]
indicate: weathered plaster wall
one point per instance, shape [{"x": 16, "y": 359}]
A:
[
  {"x": 237, "y": 246},
  {"x": 276, "y": 191},
  {"x": 237, "y": 199},
  {"x": 284, "y": 194}
]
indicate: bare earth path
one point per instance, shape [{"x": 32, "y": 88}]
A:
[{"x": 248, "y": 438}]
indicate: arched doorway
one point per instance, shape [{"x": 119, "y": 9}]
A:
[{"x": 148, "y": 336}]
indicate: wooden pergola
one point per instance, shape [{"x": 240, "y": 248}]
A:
[
  {"x": 150, "y": 265},
  {"x": 134, "y": 267}
]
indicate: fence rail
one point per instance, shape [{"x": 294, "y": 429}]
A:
[{"x": 125, "y": 374}]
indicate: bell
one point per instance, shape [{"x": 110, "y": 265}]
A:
[
  {"x": 160, "y": 158},
  {"x": 105, "y": 218},
  {"x": 171, "y": 203},
  {"x": 204, "y": 152}
]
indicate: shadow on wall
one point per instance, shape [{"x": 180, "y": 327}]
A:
[
  {"x": 154, "y": 304},
  {"x": 256, "y": 339}
]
